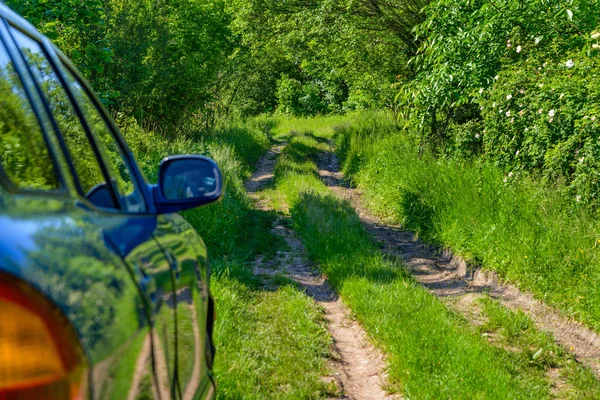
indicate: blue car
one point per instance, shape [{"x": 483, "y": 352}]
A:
[{"x": 104, "y": 288}]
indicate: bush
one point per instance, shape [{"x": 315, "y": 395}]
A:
[
  {"x": 289, "y": 91},
  {"x": 542, "y": 116}
]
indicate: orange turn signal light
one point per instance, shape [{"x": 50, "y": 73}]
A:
[{"x": 40, "y": 353}]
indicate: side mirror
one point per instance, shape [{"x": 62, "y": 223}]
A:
[{"x": 186, "y": 182}]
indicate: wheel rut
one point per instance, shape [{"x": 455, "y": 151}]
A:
[
  {"x": 358, "y": 367},
  {"x": 459, "y": 284}
]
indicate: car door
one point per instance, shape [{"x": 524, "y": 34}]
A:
[
  {"x": 187, "y": 261},
  {"x": 112, "y": 203}
]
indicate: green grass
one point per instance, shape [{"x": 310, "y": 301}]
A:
[
  {"x": 432, "y": 352},
  {"x": 518, "y": 227},
  {"x": 270, "y": 344},
  {"x": 534, "y": 352},
  {"x": 321, "y": 125}
]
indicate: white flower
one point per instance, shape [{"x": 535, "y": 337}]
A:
[
  {"x": 544, "y": 65},
  {"x": 570, "y": 15},
  {"x": 481, "y": 108},
  {"x": 596, "y": 46},
  {"x": 595, "y": 35},
  {"x": 570, "y": 63},
  {"x": 541, "y": 85},
  {"x": 551, "y": 113},
  {"x": 578, "y": 198},
  {"x": 581, "y": 159},
  {"x": 510, "y": 174},
  {"x": 517, "y": 153},
  {"x": 496, "y": 77},
  {"x": 508, "y": 113},
  {"x": 522, "y": 91},
  {"x": 561, "y": 96},
  {"x": 512, "y": 120},
  {"x": 481, "y": 91},
  {"x": 500, "y": 112},
  {"x": 477, "y": 136},
  {"x": 526, "y": 129},
  {"x": 540, "y": 111},
  {"x": 519, "y": 49},
  {"x": 494, "y": 105},
  {"x": 551, "y": 120},
  {"x": 593, "y": 117},
  {"x": 508, "y": 97},
  {"x": 504, "y": 180}
]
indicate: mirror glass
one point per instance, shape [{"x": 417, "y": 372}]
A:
[{"x": 189, "y": 178}]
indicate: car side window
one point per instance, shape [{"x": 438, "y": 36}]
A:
[
  {"x": 84, "y": 154},
  {"x": 114, "y": 159},
  {"x": 24, "y": 153},
  {"x": 89, "y": 171}
]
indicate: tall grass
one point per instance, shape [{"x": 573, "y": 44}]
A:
[
  {"x": 270, "y": 344},
  {"x": 432, "y": 352},
  {"x": 323, "y": 125},
  {"x": 516, "y": 226}
]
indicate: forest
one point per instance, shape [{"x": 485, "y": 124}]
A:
[
  {"x": 473, "y": 124},
  {"x": 512, "y": 83}
]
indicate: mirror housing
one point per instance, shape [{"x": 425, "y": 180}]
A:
[{"x": 185, "y": 182}]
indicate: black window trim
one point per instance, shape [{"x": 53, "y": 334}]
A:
[
  {"x": 138, "y": 181},
  {"x": 28, "y": 85}
]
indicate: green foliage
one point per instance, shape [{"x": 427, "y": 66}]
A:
[
  {"x": 167, "y": 62},
  {"x": 541, "y": 116},
  {"x": 344, "y": 55},
  {"x": 296, "y": 99},
  {"x": 79, "y": 28},
  {"x": 167, "y": 58},
  {"x": 289, "y": 91},
  {"x": 512, "y": 82},
  {"x": 157, "y": 61}
]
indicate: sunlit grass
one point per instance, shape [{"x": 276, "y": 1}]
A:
[
  {"x": 321, "y": 125},
  {"x": 269, "y": 344},
  {"x": 535, "y": 353}
]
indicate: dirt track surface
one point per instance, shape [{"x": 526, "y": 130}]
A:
[
  {"x": 451, "y": 278},
  {"x": 358, "y": 367}
]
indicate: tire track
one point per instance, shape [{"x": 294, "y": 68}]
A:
[{"x": 452, "y": 279}]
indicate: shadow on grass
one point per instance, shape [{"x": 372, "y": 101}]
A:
[{"x": 339, "y": 241}]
